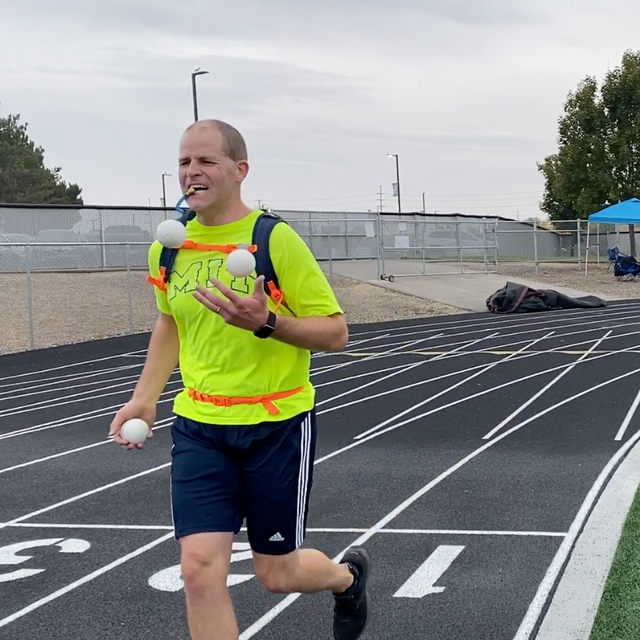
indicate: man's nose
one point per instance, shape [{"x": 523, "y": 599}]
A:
[{"x": 193, "y": 169}]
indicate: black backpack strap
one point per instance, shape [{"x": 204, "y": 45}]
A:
[
  {"x": 168, "y": 255},
  {"x": 264, "y": 266}
]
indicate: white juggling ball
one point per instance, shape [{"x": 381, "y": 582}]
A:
[
  {"x": 171, "y": 234},
  {"x": 134, "y": 431},
  {"x": 241, "y": 263}
]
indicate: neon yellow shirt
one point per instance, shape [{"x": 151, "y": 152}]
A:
[{"x": 222, "y": 360}]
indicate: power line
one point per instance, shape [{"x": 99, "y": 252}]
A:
[
  {"x": 501, "y": 196},
  {"x": 362, "y": 195}
]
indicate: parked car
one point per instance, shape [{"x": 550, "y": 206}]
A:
[
  {"x": 13, "y": 258},
  {"x": 62, "y": 254}
]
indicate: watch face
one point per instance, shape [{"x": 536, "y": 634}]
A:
[{"x": 267, "y": 329}]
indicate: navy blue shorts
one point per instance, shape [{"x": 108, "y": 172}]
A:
[{"x": 222, "y": 475}]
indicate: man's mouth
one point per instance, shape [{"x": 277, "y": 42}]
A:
[{"x": 195, "y": 187}]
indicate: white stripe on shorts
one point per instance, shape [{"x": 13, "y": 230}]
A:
[{"x": 303, "y": 477}]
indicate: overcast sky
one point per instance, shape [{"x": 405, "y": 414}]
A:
[{"x": 467, "y": 92}]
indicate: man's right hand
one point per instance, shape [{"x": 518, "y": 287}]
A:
[{"x": 133, "y": 409}]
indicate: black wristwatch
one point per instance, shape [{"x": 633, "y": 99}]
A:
[{"x": 267, "y": 328}]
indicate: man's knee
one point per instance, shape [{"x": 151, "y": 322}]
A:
[
  {"x": 276, "y": 573},
  {"x": 204, "y": 562}
]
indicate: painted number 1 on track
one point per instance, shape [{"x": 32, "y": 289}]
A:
[{"x": 422, "y": 582}]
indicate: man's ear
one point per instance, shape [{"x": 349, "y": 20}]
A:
[{"x": 242, "y": 170}]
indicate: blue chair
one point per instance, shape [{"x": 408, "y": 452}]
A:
[
  {"x": 626, "y": 267},
  {"x": 613, "y": 254}
]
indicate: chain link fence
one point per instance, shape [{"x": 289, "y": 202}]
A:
[{"x": 75, "y": 273}]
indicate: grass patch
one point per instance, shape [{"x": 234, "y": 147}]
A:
[{"x": 618, "y": 616}]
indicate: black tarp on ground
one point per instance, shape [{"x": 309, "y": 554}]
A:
[{"x": 519, "y": 298}]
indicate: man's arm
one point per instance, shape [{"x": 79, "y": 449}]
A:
[
  {"x": 329, "y": 333},
  {"x": 316, "y": 333},
  {"x": 162, "y": 359}
]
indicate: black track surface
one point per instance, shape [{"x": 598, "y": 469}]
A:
[{"x": 434, "y": 484}]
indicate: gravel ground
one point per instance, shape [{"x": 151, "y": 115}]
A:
[{"x": 76, "y": 307}]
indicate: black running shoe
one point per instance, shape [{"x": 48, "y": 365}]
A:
[{"x": 351, "y": 610}]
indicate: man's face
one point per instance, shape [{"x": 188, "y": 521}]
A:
[{"x": 203, "y": 163}]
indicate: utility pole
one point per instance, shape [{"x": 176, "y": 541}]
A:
[{"x": 380, "y": 200}]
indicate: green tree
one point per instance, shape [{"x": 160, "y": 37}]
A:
[
  {"x": 598, "y": 158},
  {"x": 24, "y": 178}
]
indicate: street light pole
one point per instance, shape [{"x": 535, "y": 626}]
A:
[
  {"x": 395, "y": 155},
  {"x": 197, "y": 72}
]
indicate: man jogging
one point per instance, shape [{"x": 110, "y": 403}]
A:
[{"x": 245, "y": 430}]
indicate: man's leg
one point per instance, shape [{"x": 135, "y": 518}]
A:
[
  {"x": 205, "y": 566},
  {"x": 278, "y": 476},
  {"x": 206, "y": 509},
  {"x": 302, "y": 571}
]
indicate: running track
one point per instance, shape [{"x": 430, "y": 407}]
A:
[{"x": 465, "y": 452}]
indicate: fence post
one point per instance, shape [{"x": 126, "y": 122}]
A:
[
  {"x": 579, "y": 242},
  {"x": 535, "y": 245},
  {"x": 330, "y": 252},
  {"x": 379, "y": 244},
  {"x": 103, "y": 247},
  {"x": 459, "y": 243},
  {"x": 30, "y": 300},
  {"x": 129, "y": 297}
]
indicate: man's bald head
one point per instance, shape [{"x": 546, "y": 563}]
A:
[{"x": 234, "y": 146}]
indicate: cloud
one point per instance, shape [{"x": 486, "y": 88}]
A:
[{"x": 468, "y": 93}]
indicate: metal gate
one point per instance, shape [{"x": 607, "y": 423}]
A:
[{"x": 427, "y": 246}]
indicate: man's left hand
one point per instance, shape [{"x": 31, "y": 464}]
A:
[{"x": 248, "y": 313}]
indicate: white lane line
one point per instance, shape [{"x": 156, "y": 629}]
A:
[
  {"x": 96, "y": 385},
  {"x": 161, "y": 424},
  {"x": 115, "y": 527},
  {"x": 408, "y": 532},
  {"x": 63, "y": 422},
  {"x": 405, "y": 370},
  {"x": 331, "y": 455},
  {"x": 348, "y": 348},
  {"x": 51, "y": 385},
  {"x": 475, "y": 368},
  {"x": 397, "y": 350},
  {"x": 88, "y": 578},
  {"x": 535, "y": 327},
  {"x": 544, "y": 389},
  {"x": 381, "y": 524},
  {"x": 368, "y": 374},
  {"x": 521, "y": 424},
  {"x": 476, "y": 395},
  {"x": 496, "y": 321},
  {"x": 476, "y": 532},
  {"x": 89, "y": 394},
  {"x": 544, "y": 589},
  {"x": 627, "y": 419},
  {"x": 450, "y": 388},
  {"x": 86, "y": 494},
  {"x": 65, "y": 366},
  {"x": 109, "y": 410}
]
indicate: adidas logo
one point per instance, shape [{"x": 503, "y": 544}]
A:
[{"x": 276, "y": 537}]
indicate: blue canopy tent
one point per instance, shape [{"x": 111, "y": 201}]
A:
[{"x": 626, "y": 212}]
